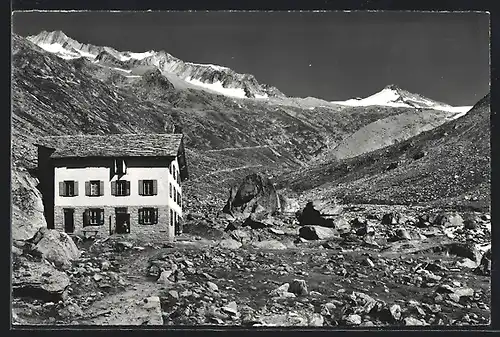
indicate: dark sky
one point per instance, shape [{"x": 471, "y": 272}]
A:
[{"x": 444, "y": 56}]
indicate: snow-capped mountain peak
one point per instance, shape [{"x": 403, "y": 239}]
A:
[
  {"x": 394, "y": 96},
  {"x": 208, "y": 77}
]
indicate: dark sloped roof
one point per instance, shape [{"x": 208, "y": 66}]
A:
[{"x": 116, "y": 145}]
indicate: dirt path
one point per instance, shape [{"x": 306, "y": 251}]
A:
[{"x": 226, "y": 170}]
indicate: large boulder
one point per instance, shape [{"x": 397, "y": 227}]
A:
[
  {"x": 318, "y": 213},
  {"x": 484, "y": 267},
  {"x": 27, "y": 206},
  {"x": 289, "y": 205},
  {"x": 298, "y": 287},
  {"x": 55, "y": 247},
  {"x": 449, "y": 220},
  {"x": 133, "y": 307},
  {"x": 257, "y": 221},
  {"x": 38, "y": 280},
  {"x": 255, "y": 195},
  {"x": 342, "y": 225},
  {"x": 317, "y": 233},
  {"x": 467, "y": 250}
]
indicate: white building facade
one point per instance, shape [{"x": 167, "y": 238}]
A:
[{"x": 121, "y": 190}]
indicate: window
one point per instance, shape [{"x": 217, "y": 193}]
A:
[
  {"x": 171, "y": 218},
  {"x": 179, "y": 198},
  {"x": 175, "y": 195},
  {"x": 120, "y": 188},
  {"x": 68, "y": 188},
  {"x": 148, "y": 216},
  {"x": 120, "y": 167},
  {"x": 170, "y": 189},
  {"x": 148, "y": 187},
  {"x": 94, "y": 188},
  {"x": 93, "y": 217}
]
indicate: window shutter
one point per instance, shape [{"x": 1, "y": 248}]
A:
[
  {"x": 141, "y": 188},
  {"x": 75, "y": 186},
  {"x": 155, "y": 216},
  {"x": 87, "y": 188},
  {"x": 61, "y": 188},
  {"x": 141, "y": 216},
  {"x": 124, "y": 170},
  {"x": 101, "y": 187},
  {"x": 86, "y": 218},
  {"x": 127, "y": 188},
  {"x": 113, "y": 188},
  {"x": 155, "y": 187},
  {"x": 101, "y": 216}
]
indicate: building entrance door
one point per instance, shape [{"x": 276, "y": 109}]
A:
[
  {"x": 122, "y": 221},
  {"x": 69, "y": 220}
]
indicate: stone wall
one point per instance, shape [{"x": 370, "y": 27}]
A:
[{"x": 161, "y": 229}]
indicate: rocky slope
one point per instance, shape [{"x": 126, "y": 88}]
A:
[
  {"x": 449, "y": 165},
  {"x": 388, "y": 131},
  {"x": 406, "y": 275}
]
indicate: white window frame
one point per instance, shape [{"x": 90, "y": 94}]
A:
[{"x": 95, "y": 186}]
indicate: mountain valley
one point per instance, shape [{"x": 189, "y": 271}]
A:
[{"x": 400, "y": 180}]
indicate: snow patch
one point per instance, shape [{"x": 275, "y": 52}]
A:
[
  {"x": 460, "y": 110},
  {"x": 389, "y": 97},
  {"x": 124, "y": 70},
  {"x": 140, "y": 56},
  {"x": 86, "y": 54},
  {"x": 217, "y": 86},
  {"x": 261, "y": 96},
  {"x": 385, "y": 97},
  {"x": 59, "y": 50},
  {"x": 216, "y": 67}
]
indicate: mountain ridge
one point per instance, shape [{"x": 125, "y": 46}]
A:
[
  {"x": 220, "y": 79},
  {"x": 217, "y": 78}
]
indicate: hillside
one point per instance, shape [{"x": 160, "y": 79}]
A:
[
  {"x": 447, "y": 166},
  {"x": 389, "y": 130}
]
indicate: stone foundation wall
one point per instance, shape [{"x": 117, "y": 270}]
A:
[{"x": 161, "y": 229}]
